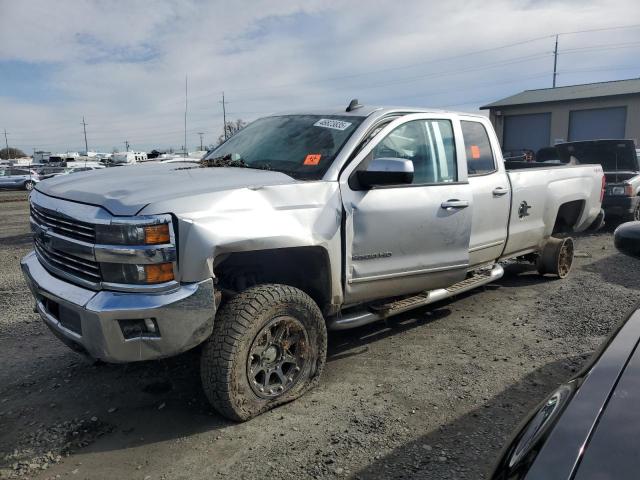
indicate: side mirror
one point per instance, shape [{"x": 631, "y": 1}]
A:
[
  {"x": 386, "y": 171},
  {"x": 626, "y": 238}
]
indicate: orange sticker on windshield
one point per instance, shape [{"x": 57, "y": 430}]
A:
[
  {"x": 475, "y": 151},
  {"x": 312, "y": 159}
]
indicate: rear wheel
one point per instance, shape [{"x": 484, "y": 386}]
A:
[
  {"x": 268, "y": 347},
  {"x": 556, "y": 257},
  {"x": 28, "y": 185}
]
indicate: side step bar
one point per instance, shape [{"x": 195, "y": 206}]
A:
[{"x": 382, "y": 311}]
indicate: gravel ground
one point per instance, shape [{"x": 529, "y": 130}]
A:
[{"x": 432, "y": 394}]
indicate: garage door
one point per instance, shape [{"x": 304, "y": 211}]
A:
[
  {"x": 597, "y": 123},
  {"x": 526, "y": 132}
]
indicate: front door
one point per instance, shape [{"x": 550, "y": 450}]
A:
[{"x": 402, "y": 239}]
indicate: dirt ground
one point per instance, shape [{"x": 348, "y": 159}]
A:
[{"x": 433, "y": 394}]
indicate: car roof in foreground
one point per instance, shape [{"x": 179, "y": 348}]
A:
[{"x": 577, "y": 445}]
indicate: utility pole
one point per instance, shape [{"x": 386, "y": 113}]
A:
[
  {"x": 126, "y": 145},
  {"x": 185, "y": 116},
  {"x": 84, "y": 126},
  {"x": 224, "y": 117},
  {"x": 6, "y": 142},
  {"x": 555, "y": 62},
  {"x": 201, "y": 134},
  {"x": 86, "y": 148}
]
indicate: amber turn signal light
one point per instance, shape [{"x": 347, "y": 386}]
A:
[
  {"x": 158, "y": 273},
  {"x": 155, "y": 234}
]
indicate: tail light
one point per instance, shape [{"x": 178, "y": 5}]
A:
[
  {"x": 603, "y": 188},
  {"x": 628, "y": 190}
]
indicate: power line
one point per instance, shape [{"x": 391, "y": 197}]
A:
[{"x": 436, "y": 60}]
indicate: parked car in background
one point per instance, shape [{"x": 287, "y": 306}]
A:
[
  {"x": 621, "y": 165},
  {"x": 50, "y": 172},
  {"x": 588, "y": 427},
  {"x": 19, "y": 178},
  {"x": 297, "y": 224}
]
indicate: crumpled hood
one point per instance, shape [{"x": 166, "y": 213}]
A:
[{"x": 126, "y": 190}]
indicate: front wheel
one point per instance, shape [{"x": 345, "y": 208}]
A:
[
  {"x": 556, "y": 257},
  {"x": 28, "y": 185},
  {"x": 268, "y": 347}
]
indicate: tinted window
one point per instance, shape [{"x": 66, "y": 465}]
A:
[
  {"x": 15, "y": 171},
  {"x": 428, "y": 144},
  {"x": 479, "y": 154}
]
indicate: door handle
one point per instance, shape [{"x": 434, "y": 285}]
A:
[
  {"x": 454, "y": 204},
  {"x": 500, "y": 191}
]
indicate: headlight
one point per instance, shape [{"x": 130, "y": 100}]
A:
[
  {"x": 137, "y": 274},
  {"x": 123, "y": 234}
]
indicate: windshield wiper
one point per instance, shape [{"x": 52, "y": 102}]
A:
[
  {"x": 223, "y": 161},
  {"x": 228, "y": 160}
]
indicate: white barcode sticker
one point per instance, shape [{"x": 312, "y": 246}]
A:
[{"x": 335, "y": 124}]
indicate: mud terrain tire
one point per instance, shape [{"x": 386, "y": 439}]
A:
[{"x": 248, "y": 337}]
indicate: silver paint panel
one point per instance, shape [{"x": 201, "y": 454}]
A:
[{"x": 184, "y": 316}]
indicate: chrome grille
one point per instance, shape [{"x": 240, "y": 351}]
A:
[
  {"x": 67, "y": 263},
  {"x": 63, "y": 225}
]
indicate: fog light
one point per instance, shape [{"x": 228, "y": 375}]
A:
[
  {"x": 150, "y": 324},
  {"x": 137, "y": 328}
]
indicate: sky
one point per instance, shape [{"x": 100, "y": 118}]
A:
[{"x": 122, "y": 64}]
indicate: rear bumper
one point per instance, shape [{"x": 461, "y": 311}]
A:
[
  {"x": 91, "y": 321},
  {"x": 619, "y": 206}
]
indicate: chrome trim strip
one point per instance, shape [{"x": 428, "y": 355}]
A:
[
  {"x": 406, "y": 274},
  {"x": 150, "y": 288},
  {"x": 74, "y": 247},
  {"x": 143, "y": 254},
  {"x": 67, "y": 276},
  {"x": 486, "y": 245}
]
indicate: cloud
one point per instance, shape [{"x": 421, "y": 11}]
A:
[{"x": 122, "y": 64}]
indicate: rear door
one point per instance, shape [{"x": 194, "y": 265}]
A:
[
  {"x": 402, "y": 239},
  {"x": 491, "y": 191}
]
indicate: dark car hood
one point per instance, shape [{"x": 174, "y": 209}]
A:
[
  {"x": 613, "y": 155},
  {"x": 613, "y": 451},
  {"x": 126, "y": 190}
]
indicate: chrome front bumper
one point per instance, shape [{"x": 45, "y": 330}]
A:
[{"x": 92, "y": 320}]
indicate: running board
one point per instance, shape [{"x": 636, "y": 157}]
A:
[{"x": 386, "y": 310}]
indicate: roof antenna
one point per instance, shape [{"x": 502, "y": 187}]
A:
[{"x": 353, "y": 104}]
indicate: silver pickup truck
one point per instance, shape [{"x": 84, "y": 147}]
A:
[{"x": 299, "y": 223}]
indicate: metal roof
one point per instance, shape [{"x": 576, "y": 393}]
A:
[{"x": 571, "y": 92}]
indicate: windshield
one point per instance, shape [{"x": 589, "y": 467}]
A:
[{"x": 302, "y": 146}]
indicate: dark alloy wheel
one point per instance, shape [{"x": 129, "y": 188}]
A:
[
  {"x": 268, "y": 347},
  {"x": 278, "y": 357},
  {"x": 556, "y": 257}
]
